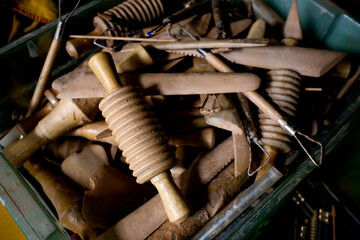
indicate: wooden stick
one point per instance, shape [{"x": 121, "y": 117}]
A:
[
  {"x": 45, "y": 72},
  {"x": 135, "y": 39}
]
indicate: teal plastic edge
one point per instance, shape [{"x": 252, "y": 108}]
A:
[
  {"x": 325, "y": 21},
  {"x": 26, "y": 207}
]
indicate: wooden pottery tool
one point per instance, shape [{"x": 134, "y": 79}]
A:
[
  {"x": 138, "y": 135},
  {"x": 306, "y": 61},
  {"x": 80, "y": 166},
  {"x": 49, "y": 61},
  {"x": 257, "y": 29},
  {"x": 292, "y": 28},
  {"x": 66, "y": 200},
  {"x": 126, "y": 17},
  {"x": 167, "y": 84},
  {"x": 67, "y": 114},
  {"x": 210, "y": 43},
  {"x": 151, "y": 215},
  {"x": 111, "y": 196}
]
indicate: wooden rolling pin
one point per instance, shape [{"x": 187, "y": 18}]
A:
[
  {"x": 67, "y": 114},
  {"x": 139, "y": 136}
]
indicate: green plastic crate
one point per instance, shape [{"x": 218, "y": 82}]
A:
[{"x": 21, "y": 66}]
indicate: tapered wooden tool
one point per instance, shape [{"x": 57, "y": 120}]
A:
[
  {"x": 65, "y": 199},
  {"x": 306, "y": 61},
  {"x": 257, "y": 29},
  {"x": 139, "y": 136},
  {"x": 292, "y": 28},
  {"x": 67, "y": 114}
]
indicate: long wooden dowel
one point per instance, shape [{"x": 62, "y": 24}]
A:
[
  {"x": 44, "y": 75},
  {"x": 135, "y": 39}
]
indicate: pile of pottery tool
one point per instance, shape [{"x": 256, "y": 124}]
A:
[{"x": 198, "y": 106}]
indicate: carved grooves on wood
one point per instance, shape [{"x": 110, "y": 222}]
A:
[
  {"x": 283, "y": 87},
  {"x": 123, "y": 17},
  {"x": 137, "y": 132}
]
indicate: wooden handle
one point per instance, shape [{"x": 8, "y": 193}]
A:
[
  {"x": 176, "y": 208},
  {"x": 76, "y": 47},
  {"x": 66, "y": 115},
  {"x": 217, "y": 63},
  {"x": 44, "y": 76},
  {"x": 104, "y": 69},
  {"x": 264, "y": 105}
]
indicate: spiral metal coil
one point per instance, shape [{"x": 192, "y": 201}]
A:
[
  {"x": 138, "y": 133},
  {"x": 283, "y": 87},
  {"x": 123, "y": 17}
]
